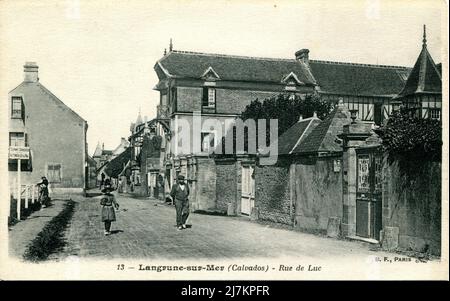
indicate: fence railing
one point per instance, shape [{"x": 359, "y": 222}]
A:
[{"x": 29, "y": 195}]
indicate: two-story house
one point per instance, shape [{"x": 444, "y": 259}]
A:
[{"x": 55, "y": 135}]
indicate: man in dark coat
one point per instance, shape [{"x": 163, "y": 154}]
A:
[
  {"x": 180, "y": 195},
  {"x": 43, "y": 192}
]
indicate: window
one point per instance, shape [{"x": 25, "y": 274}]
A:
[
  {"x": 54, "y": 173},
  {"x": 17, "y": 110},
  {"x": 17, "y": 139},
  {"x": 209, "y": 97},
  {"x": 207, "y": 142},
  {"x": 435, "y": 114}
]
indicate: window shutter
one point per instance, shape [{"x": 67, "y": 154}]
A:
[
  {"x": 26, "y": 139},
  {"x": 23, "y": 110},
  {"x": 205, "y": 97}
]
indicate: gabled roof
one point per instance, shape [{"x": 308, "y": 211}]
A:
[
  {"x": 121, "y": 147},
  {"x": 210, "y": 73},
  {"x": 52, "y": 96},
  {"x": 358, "y": 79},
  {"x": 425, "y": 75},
  {"x": 98, "y": 151},
  {"x": 323, "y": 138},
  {"x": 184, "y": 64},
  {"x": 116, "y": 165},
  {"x": 296, "y": 134}
]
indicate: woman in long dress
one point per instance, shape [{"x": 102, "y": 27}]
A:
[{"x": 109, "y": 203}]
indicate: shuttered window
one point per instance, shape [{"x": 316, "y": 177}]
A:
[
  {"x": 54, "y": 173},
  {"x": 17, "y": 108}
]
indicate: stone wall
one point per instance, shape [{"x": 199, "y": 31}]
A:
[
  {"x": 205, "y": 194},
  {"x": 234, "y": 101},
  {"x": 412, "y": 202},
  {"x": 226, "y": 185},
  {"x": 317, "y": 191},
  {"x": 228, "y": 101},
  {"x": 273, "y": 192}
]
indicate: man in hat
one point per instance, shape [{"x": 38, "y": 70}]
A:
[{"x": 180, "y": 194}]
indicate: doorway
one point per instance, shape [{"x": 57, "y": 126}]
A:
[
  {"x": 368, "y": 195},
  {"x": 248, "y": 189}
]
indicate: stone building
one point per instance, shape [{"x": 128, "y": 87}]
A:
[{"x": 54, "y": 133}]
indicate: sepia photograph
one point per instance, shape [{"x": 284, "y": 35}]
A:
[{"x": 224, "y": 140}]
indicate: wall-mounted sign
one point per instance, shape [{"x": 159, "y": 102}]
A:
[{"x": 19, "y": 152}]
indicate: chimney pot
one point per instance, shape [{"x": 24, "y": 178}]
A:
[
  {"x": 315, "y": 114},
  {"x": 303, "y": 55},
  {"x": 300, "y": 118},
  {"x": 30, "y": 70}
]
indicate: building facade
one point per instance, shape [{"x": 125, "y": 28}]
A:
[
  {"x": 200, "y": 86},
  {"x": 55, "y": 135}
]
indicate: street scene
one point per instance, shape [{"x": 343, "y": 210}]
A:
[
  {"x": 154, "y": 142},
  {"x": 144, "y": 230}
]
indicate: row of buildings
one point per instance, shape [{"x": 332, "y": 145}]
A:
[{"x": 326, "y": 169}]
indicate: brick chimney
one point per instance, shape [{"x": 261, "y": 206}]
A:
[
  {"x": 30, "y": 70},
  {"x": 303, "y": 55}
]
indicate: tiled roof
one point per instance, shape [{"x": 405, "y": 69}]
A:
[
  {"x": 424, "y": 77},
  {"x": 235, "y": 68},
  {"x": 323, "y": 138},
  {"x": 358, "y": 79},
  {"x": 116, "y": 165},
  {"x": 295, "y": 134}
]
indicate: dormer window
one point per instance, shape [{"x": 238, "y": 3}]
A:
[
  {"x": 210, "y": 74},
  {"x": 17, "y": 107}
]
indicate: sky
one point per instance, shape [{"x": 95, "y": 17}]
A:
[{"x": 98, "y": 56}]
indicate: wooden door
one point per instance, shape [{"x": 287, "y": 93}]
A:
[
  {"x": 368, "y": 195},
  {"x": 248, "y": 190}
]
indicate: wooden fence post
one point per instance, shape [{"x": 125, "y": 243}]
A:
[{"x": 26, "y": 196}]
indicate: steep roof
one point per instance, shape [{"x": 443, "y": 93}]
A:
[
  {"x": 425, "y": 75},
  {"x": 52, "y": 96},
  {"x": 323, "y": 138},
  {"x": 116, "y": 165},
  {"x": 184, "y": 64},
  {"x": 121, "y": 147},
  {"x": 295, "y": 134},
  {"x": 98, "y": 151},
  {"x": 358, "y": 79}
]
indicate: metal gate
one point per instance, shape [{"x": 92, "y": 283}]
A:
[
  {"x": 368, "y": 195},
  {"x": 248, "y": 190}
]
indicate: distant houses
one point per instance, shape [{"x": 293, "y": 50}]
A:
[{"x": 54, "y": 134}]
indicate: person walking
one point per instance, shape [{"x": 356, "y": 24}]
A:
[
  {"x": 43, "y": 192},
  {"x": 180, "y": 195},
  {"x": 108, "y": 203}
]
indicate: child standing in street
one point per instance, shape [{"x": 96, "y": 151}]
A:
[{"x": 108, "y": 203}]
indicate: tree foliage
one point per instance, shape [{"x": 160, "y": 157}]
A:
[
  {"x": 411, "y": 138},
  {"x": 287, "y": 108}
]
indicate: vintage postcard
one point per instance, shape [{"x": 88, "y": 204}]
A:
[{"x": 224, "y": 140}]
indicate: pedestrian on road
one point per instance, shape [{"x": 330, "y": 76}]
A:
[
  {"x": 43, "y": 192},
  {"x": 108, "y": 203},
  {"x": 180, "y": 194}
]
